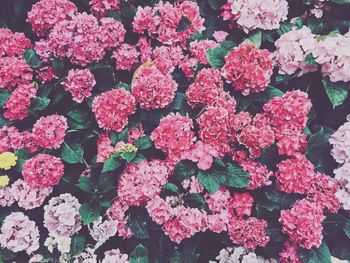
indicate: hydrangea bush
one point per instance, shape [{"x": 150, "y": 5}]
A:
[{"x": 174, "y": 131}]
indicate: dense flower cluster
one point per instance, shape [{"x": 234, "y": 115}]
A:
[
  {"x": 152, "y": 89},
  {"x": 61, "y": 216},
  {"x": 43, "y": 170},
  {"x": 12, "y": 44},
  {"x": 79, "y": 83},
  {"x": 250, "y": 14},
  {"x": 248, "y": 68},
  {"x": 14, "y": 71},
  {"x": 102, "y": 7},
  {"x": 112, "y": 109}
]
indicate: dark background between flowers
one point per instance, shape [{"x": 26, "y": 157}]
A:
[{"x": 204, "y": 246}]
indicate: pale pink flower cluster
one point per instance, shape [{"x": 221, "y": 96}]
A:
[
  {"x": 174, "y": 135},
  {"x": 12, "y": 44},
  {"x": 251, "y": 14},
  {"x": 192, "y": 185},
  {"x": 49, "y": 131},
  {"x": 101, "y": 7},
  {"x": 117, "y": 212},
  {"x": 18, "y": 233},
  {"x": 112, "y": 109},
  {"x": 303, "y": 223},
  {"x": 43, "y": 170},
  {"x": 28, "y": 196},
  {"x": 240, "y": 255},
  {"x": 61, "y": 215},
  {"x": 115, "y": 256},
  {"x": 199, "y": 48},
  {"x": 82, "y": 39},
  {"x": 79, "y": 83},
  {"x": 248, "y": 68},
  {"x": 14, "y": 71},
  {"x": 201, "y": 153},
  {"x": 341, "y": 153},
  {"x": 332, "y": 53},
  {"x": 152, "y": 89},
  {"x": 163, "y": 20},
  {"x": 167, "y": 58},
  {"x": 101, "y": 230},
  {"x": 16, "y": 107},
  {"x": 6, "y": 197},
  {"x": 293, "y": 48},
  {"x": 142, "y": 182},
  {"x": 45, "y": 14}
]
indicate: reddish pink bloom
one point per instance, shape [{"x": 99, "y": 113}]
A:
[
  {"x": 249, "y": 233},
  {"x": 43, "y": 170},
  {"x": 112, "y": 33},
  {"x": 126, "y": 56},
  {"x": 292, "y": 144},
  {"x": 240, "y": 205},
  {"x": 219, "y": 200},
  {"x": 206, "y": 88},
  {"x": 104, "y": 148},
  {"x": 10, "y": 138},
  {"x": 259, "y": 175},
  {"x": 152, "y": 89},
  {"x": 248, "y": 68},
  {"x": 49, "y": 131},
  {"x": 199, "y": 48},
  {"x": 18, "y": 103},
  {"x": 45, "y": 74},
  {"x": 117, "y": 212},
  {"x": 167, "y": 58},
  {"x": 79, "y": 83},
  {"x": 290, "y": 253},
  {"x": 174, "y": 135},
  {"x": 14, "y": 71},
  {"x": 323, "y": 192},
  {"x": 201, "y": 153},
  {"x": 12, "y": 44},
  {"x": 100, "y": 8},
  {"x": 112, "y": 109},
  {"x": 47, "y": 13},
  {"x": 295, "y": 175},
  {"x": 303, "y": 223},
  {"x": 159, "y": 210},
  {"x": 217, "y": 223}
]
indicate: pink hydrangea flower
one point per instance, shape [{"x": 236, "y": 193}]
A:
[
  {"x": 206, "y": 88},
  {"x": 6, "y": 197},
  {"x": 18, "y": 103},
  {"x": 149, "y": 89},
  {"x": 43, "y": 170},
  {"x": 61, "y": 215},
  {"x": 143, "y": 181},
  {"x": 292, "y": 49},
  {"x": 290, "y": 253},
  {"x": 49, "y": 131},
  {"x": 28, "y": 196},
  {"x": 295, "y": 175},
  {"x": 292, "y": 144},
  {"x": 220, "y": 36},
  {"x": 79, "y": 83},
  {"x": 249, "y": 233},
  {"x": 219, "y": 200},
  {"x": 112, "y": 33},
  {"x": 193, "y": 185},
  {"x": 303, "y": 223},
  {"x": 203, "y": 154},
  {"x": 18, "y": 233},
  {"x": 112, "y": 109},
  {"x": 118, "y": 212},
  {"x": 104, "y": 148},
  {"x": 248, "y": 68},
  {"x": 45, "y": 14},
  {"x": 101, "y": 7},
  {"x": 126, "y": 56},
  {"x": 240, "y": 205},
  {"x": 199, "y": 48},
  {"x": 340, "y": 140},
  {"x": 218, "y": 222},
  {"x": 10, "y": 138},
  {"x": 174, "y": 135},
  {"x": 159, "y": 210},
  {"x": 343, "y": 193},
  {"x": 14, "y": 71},
  {"x": 167, "y": 58},
  {"x": 259, "y": 175},
  {"x": 250, "y": 14},
  {"x": 12, "y": 44}
]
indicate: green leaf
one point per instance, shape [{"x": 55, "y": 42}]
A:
[
  {"x": 171, "y": 187},
  {"x": 211, "y": 180},
  {"x": 58, "y": 66},
  {"x": 284, "y": 28},
  {"x": 139, "y": 158},
  {"x": 138, "y": 226},
  {"x": 143, "y": 143},
  {"x": 4, "y": 95},
  {"x": 316, "y": 255},
  {"x": 184, "y": 169},
  {"x": 256, "y": 38},
  {"x": 336, "y": 92},
  {"x": 40, "y": 103},
  {"x": 214, "y": 4},
  {"x": 347, "y": 229},
  {"x": 139, "y": 255},
  {"x": 72, "y": 153},
  {"x": 77, "y": 245},
  {"x": 112, "y": 163},
  {"x": 274, "y": 230},
  {"x": 128, "y": 156},
  {"x": 183, "y": 24},
  {"x": 89, "y": 213},
  {"x": 22, "y": 156},
  {"x": 236, "y": 177},
  {"x": 84, "y": 184},
  {"x": 179, "y": 101},
  {"x": 341, "y": 2},
  {"x": 7, "y": 254},
  {"x": 32, "y": 58},
  {"x": 216, "y": 57},
  {"x": 79, "y": 119},
  {"x": 124, "y": 86},
  {"x": 195, "y": 200},
  {"x": 309, "y": 60}
]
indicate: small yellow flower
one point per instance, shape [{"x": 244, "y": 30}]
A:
[
  {"x": 4, "y": 180},
  {"x": 7, "y": 160},
  {"x": 128, "y": 147}
]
